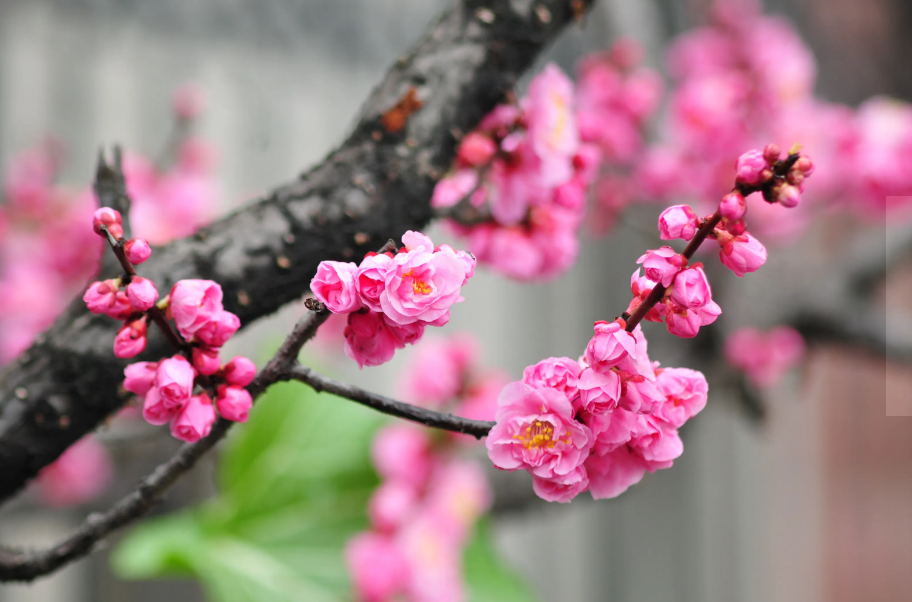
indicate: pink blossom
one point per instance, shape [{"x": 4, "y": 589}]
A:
[
  {"x": 403, "y": 452},
  {"x": 435, "y": 373},
  {"x": 101, "y": 297},
  {"x": 81, "y": 473},
  {"x": 764, "y": 357},
  {"x": 599, "y": 390},
  {"x": 610, "y": 344},
  {"x": 685, "y": 394},
  {"x": 377, "y": 566},
  {"x": 142, "y": 293},
  {"x": 195, "y": 420},
  {"x": 391, "y": 505},
  {"x": 367, "y": 339},
  {"x": 206, "y": 360},
  {"x": 611, "y": 474},
  {"x": 661, "y": 265},
  {"x": 239, "y": 372},
  {"x": 454, "y": 188},
  {"x": 656, "y": 442},
  {"x": 131, "y": 339},
  {"x": 611, "y": 430},
  {"x": 434, "y": 561},
  {"x": 457, "y": 495},
  {"x": 536, "y": 431},
  {"x": 421, "y": 286},
  {"x": 641, "y": 286},
  {"x": 370, "y": 279},
  {"x": 476, "y": 149},
  {"x": 174, "y": 380},
  {"x": 552, "y": 124},
  {"x": 334, "y": 285},
  {"x": 156, "y": 411},
  {"x": 787, "y": 195},
  {"x": 109, "y": 218},
  {"x": 233, "y": 403},
  {"x": 409, "y": 334},
  {"x": 562, "y": 488},
  {"x": 137, "y": 250},
  {"x": 678, "y": 221},
  {"x": 216, "y": 332},
  {"x": 480, "y": 401},
  {"x": 752, "y": 168},
  {"x": 743, "y": 254},
  {"x": 640, "y": 394},
  {"x": 188, "y": 101},
  {"x": 733, "y": 206},
  {"x": 685, "y": 323},
  {"x": 139, "y": 377},
  {"x": 467, "y": 260},
  {"x": 194, "y": 303},
  {"x": 560, "y": 373},
  {"x": 691, "y": 288},
  {"x": 29, "y": 179}
]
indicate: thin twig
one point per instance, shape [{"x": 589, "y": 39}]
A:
[{"x": 440, "y": 420}]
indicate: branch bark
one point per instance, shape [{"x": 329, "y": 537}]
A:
[{"x": 375, "y": 186}]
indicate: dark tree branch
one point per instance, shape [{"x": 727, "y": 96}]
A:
[
  {"x": 26, "y": 565},
  {"x": 375, "y": 186},
  {"x": 447, "y": 422}
]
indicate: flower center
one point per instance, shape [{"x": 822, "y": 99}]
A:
[
  {"x": 539, "y": 435},
  {"x": 561, "y": 124},
  {"x": 419, "y": 287}
]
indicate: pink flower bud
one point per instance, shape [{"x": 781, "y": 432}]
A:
[
  {"x": 686, "y": 323},
  {"x": 407, "y": 334},
  {"x": 139, "y": 377},
  {"x": 233, "y": 403},
  {"x": 188, "y": 101},
  {"x": 402, "y": 452},
  {"x": 678, "y": 221},
  {"x": 155, "y": 410},
  {"x": 752, "y": 168},
  {"x": 391, "y": 505},
  {"x": 787, "y": 195},
  {"x": 194, "y": 421},
  {"x": 370, "y": 279},
  {"x": 174, "y": 380},
  {"x": 609, "y": 345},
  {"x": 194, "y": 303},
  {"x": 137, "y": 250},
  {"x": 743, "y": 254},
  {"x": 101, "y": 296},
  {"x": 142, "y": 293},
  {"x": 661, "y": 265},
  {"x": 131, "y": 339},
  {"x": 804, "y": 165},
  {"x": 733, "y": 206},
  {"x": 368, "y": 340},
  {"x": 217, "y": 332},
  {"x": 240, "y": 371},
  {"x": 379, "y": 570},
  {"x": 206, "y": 360},
  {"x": 476, "y": 149},
  {"x": 561, "y": 488},
  {"x": 111, "y": 219},
  {"x": 334, "y": 285},
  {"x": 771, "y": 153},
  {"x": 691, "y": 288}
]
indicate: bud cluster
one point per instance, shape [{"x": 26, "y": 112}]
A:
[
  {"x": 178, "y": 389},
  {"x": 391, "y": 297}
]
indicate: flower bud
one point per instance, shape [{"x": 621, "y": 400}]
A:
[
  {"x": 743, "y": 254},
  {"x": 733, "y": 206},
  {"x": 206, "y": 360},
  {"x": 787, "y": 195},
  {"x": 137, "y": 250},
  {"x": 109, "y": 218},
  {"x": 771, "y": 153},
  {"x": 476, "y": 149},
  {"x": 752, "y": 168},
  {"x": 131, "y": 339},
  {"x": 139, "y": 377},
  {"x": 174, "y": 380},
  {"x": 195, "y": 421},
  {"x": 240, "y": 371},
  {"x": 678, "y": 221},
  {"x": 233, "y": 403},
  {"x": 217, "y": 332},
  {"x": 142, "y": 293}
]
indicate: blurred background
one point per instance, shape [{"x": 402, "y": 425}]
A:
[{"x": 799, "y": 491}]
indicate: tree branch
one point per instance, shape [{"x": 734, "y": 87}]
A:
[
  {"x": 447, "y": 422},
  {"x": 375, "y": 186}
]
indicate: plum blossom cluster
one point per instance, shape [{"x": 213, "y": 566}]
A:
[
  {"x": 423, "y": 512},
  {"x": 391, "y": 297},
  {"x": 46, "y": 252},
  {"x": 526, "y": 171},
  {"x": 178, "y": 389},
  {"x": 596, "y": 424},
  {"x": 764, "y": 356},
  {"x": 599, "y": 423}
]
